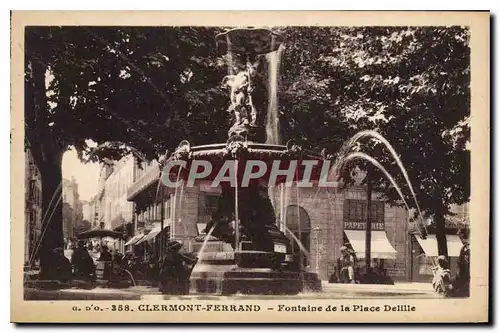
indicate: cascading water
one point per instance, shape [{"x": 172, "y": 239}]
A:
[
  {"x": 180, "y": 208},
  {"x": 207, "y": 237},
  {"x": 174, "y": 205},
  {"x": 299, "y": 243},
  {"x": 229, "y": 55},
  {"x": 343, "y": 153},
  {"x": 236, "y": 209},
  {"x": 131, "y": 277},
  {"x": 286, "y": 188},
  {"x": 272, "y": 118},
  {"x": 299, "y": 225},
  {"x": 374, "y": 162}
]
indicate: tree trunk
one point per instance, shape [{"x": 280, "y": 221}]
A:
[
  {"x": 47, "y": 154},
  {"x": 440, "y": 224},
  {"x": 52, "y": 236},
  {"x": 368, "y": 239}
]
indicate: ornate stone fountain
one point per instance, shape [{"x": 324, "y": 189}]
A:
[{"x": 243, "y": 249}]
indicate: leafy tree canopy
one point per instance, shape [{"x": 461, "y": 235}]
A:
[{"x": 410, "y": 84}]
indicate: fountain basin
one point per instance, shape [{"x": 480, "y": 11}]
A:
[
  {"x": 273, "y": 156},
  {"x": 230, "y": 279},
  {"x": 249, "y": 271}
]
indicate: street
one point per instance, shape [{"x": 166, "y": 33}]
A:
[{"x": 330, "y": 291}]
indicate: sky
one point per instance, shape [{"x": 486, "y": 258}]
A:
[{"x": 86, "y": 175}]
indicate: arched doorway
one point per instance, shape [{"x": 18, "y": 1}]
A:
[{"x": 298, "y": 222}]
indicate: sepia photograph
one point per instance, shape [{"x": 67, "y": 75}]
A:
[{"x": 243, "y": 167}]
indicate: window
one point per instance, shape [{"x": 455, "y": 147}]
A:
[
  {"x": 158, "y": 211},
  {"x": 355, "y": 210},
  {"x": 168, "y": 208},
  {"x": 207, "y": 206},
  {"x": 32, "y": 190},
  {"x": 210, "y": 205}
]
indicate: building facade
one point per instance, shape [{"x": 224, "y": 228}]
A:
[
  {"x": 33, "y": 210},
  {"x": 87, "y": 210},
  {"x": 322, "y": 219},
  {"x": 92, "y": 212},
  {"x": 104, "y": 173},
  {"x": 111, "y": 204},
  {"x": 72, "y": 213},
  {"x": 424, "y": 252},
  {"x": 152, "y": 209},
  {"x": 115, "y": 208}
]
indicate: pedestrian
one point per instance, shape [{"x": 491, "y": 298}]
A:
[
  {"x": 61, "y": 267},
  {"x": 118, "y": 258},
  {"x": 442, "y": 281},
  {"x": 152, "y": 268},
  {"x": 117, "y": 270},
  {"x": 176, "y": 270},
  {"x": 83, "y": 263},
  {"x": 462, "y": 280},
  {"x": 346, "y": 266},
  {"x": 105, "y": 254}
]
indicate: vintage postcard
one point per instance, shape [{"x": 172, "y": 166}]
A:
[{"x": 274, "y": 167}]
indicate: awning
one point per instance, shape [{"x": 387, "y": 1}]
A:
[
  {"x": 430, "y": 247},
  {"x": 134, "y": 240},
  {"x": 381, "y": 248},
  {"x": 99, "y": 233},
  {"x": 151, "y": 235}
]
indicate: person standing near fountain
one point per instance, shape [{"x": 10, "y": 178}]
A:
[
  {"x": 83, "y": 262},
  {"x": 442, "y": 282},
  {"x": 61, "y": 270},
  {"x": 346, "y": 266},
  {"x": 105, "y": 254},
  {"x": 462, "y": 279},
  {"x": 175, "y": 271}
]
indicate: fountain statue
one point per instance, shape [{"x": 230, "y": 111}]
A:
[
  {"x": 242, "y": 248},
  {"x": 246, "y": 50}
]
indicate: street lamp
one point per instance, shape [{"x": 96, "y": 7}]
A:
[{"x": 317, "y": 230}]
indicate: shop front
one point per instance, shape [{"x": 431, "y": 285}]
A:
[
  {"x": 425, "y": 253},
  {"x": 382, "y": 252}
]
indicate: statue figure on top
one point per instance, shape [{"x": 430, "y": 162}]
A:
[{"x": 241, "y": 89}]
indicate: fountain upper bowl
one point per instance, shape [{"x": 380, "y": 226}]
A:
[{"x": 248, "y": 41}]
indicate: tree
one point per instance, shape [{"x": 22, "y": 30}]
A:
[
  {"x": 138, "y": 86},
  {"x": 409, "y": 84}
]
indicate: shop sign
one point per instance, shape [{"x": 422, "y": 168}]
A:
[{"x": 376, "y": 226}]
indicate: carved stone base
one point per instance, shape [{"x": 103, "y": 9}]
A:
[{"x": 250, "y": 133}]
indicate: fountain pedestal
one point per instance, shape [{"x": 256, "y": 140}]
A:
[{"x": 249, "y": 271}]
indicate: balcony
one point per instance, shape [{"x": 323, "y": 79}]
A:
[{"x": 150, "y": 177}]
